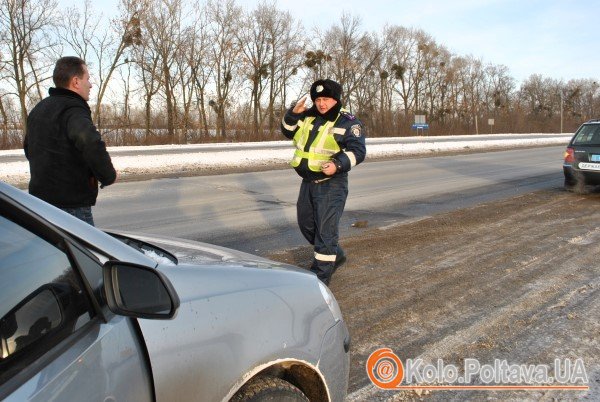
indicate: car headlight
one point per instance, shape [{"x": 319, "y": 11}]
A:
[{"x": 331, "y": 302}]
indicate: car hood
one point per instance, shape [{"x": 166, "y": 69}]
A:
[{"x": 176, "y": 251}]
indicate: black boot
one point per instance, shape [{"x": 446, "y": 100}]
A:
[
  {"x": 323, "y": 273},
  {"x": 340, "y": 259}
]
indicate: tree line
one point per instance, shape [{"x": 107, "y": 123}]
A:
[{"x": 177, "y": 71}]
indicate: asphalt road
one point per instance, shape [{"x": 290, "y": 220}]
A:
[{"x": 255, "y": 211}]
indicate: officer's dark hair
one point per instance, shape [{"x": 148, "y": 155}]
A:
[{"x": 66, "y": 68}]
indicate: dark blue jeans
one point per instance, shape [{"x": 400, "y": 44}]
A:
[
  {"x": 319, "y": 210},
  {"x": 83, "y": 213}
]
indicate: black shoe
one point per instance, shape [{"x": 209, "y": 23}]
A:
[
  {"x": 339, "y": 261},
  {"x": 340, "y": 258},
  {"x": 324, "y": 276}
]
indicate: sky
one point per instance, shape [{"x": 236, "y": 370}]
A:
[
  {"x": 187, "y": 157},
  {"x": 555, "y": 38}
]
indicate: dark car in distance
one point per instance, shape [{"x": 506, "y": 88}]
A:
[{"x": 581, "y": 165}]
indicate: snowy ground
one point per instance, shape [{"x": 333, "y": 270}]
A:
[{"x": 181, "y": 158}]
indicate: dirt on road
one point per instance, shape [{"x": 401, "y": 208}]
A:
[{"x": 516, "y": 280}]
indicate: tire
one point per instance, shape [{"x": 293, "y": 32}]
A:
[
  {"x": 269, "y": 389},
  {"x": 576, "y": 186},
  {"x": 575, "y": 183}
]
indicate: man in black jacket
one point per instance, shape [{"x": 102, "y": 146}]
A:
[
  {"x": 67, "y": 157},
  {"x": 329, "y": 141}
]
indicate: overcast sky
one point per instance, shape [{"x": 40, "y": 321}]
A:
[{"x": 554, "y": 38}]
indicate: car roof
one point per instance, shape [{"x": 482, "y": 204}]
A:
[{"x": 79, "y": 229}]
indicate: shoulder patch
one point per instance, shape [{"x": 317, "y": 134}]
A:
[
  {"x": 356, "y": 130},
  {"x": 348, "y": 115}
]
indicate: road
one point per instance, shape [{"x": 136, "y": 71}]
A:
[
  {"x": 255, "y": 211},
  {"x": 480, "y": 256}
]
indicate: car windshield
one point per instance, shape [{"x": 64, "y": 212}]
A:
[{"x": 588, "y": 134}]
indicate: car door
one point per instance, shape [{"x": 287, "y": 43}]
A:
[{"x": 58, "y": 341}]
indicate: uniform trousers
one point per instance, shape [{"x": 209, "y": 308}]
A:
[{"x": 319, "y": 210}]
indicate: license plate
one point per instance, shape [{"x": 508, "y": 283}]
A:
[
  {"x": 595, "y": 158},
  {"x": 589, "y": 166}
]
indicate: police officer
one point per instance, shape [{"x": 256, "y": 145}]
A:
[{"x": 329, "y": 141}]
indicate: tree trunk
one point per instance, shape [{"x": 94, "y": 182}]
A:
[
  {"x": 203, "y": 116},
  {"x": 169, "y": 99},
  {"x": 4, "y": 142},
  {"x": 255, "y": 107},
  {"x": 148, "y": 117}
]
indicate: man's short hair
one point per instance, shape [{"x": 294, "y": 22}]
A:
[{"x": 66, "y": 68}]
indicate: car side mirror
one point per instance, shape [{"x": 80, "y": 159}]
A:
[{"x": 138, "y": 291}]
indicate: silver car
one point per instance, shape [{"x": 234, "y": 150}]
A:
[{"x": 91, "y": 316}]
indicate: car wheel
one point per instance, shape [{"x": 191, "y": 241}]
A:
[
  {"x": 267, "y": 388},
  {"x": 575, "y": 182},
  {"x": 576, "y": 186}
]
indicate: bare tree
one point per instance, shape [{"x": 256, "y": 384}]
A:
[
  {"x": 589, "y": 98},
  {"x": 226, "y": 51},
  {"x": 253, "y": 39},
  {"x": 350, "y": 59},
  {"x": 26, "y": 45},
  {"x": 162, "y": 28},
  {"x": 102, "y": 48},
  {"x": 125, "y": 116},
  {"x": 436, "y": 57},
  {"x": 375, "y": 95},
  {"x": 146, "y": 58},
  {"x": 498, "y": 98},
  {"x": 535, "y": 93},
  {"x": 4, "y": 138},
  {"x": 286, "y": 48},
  {"x": 4, "y": 141},
  {"x": 185, "y": 80},
  {"x": 201, "y": 66},
  {"x": 472, "y": 78},
  {"x": 401, "y": 44}
]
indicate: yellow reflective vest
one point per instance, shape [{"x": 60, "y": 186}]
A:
[{"x": 323, "y": 147}]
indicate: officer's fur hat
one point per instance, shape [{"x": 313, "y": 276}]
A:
[{"x": 326, "y": 88}]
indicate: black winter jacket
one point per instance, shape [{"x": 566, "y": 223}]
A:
[{"x": 66, "y": 155}]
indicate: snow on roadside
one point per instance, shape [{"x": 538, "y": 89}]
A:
[{"x": 229, "y": 155}]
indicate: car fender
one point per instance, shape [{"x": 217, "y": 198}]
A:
[{"x": 218, "y": 337}]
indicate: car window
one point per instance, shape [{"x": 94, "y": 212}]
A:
[
  {"x": 588, "y": 134},
  {"x": 41, "y": 298}
]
